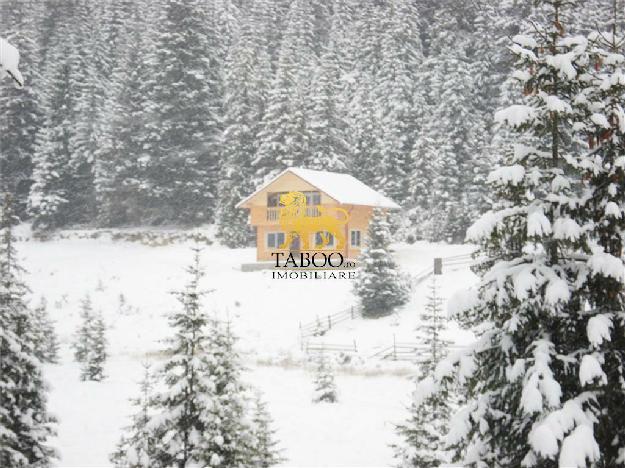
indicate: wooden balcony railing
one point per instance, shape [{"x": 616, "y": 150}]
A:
[{"x": 273, "y": 214}]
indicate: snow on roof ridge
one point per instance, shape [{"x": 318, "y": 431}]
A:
[{"x": 344, "y": 188}]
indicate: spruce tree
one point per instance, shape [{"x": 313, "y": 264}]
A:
[
  {"x": 325, "y": 387},
  {"x": 137, "y": 447},
  {"x": 329, "y": 147},
  {"x": 604, "y": 208},
  {"x": 243, "y": 111},
  {"x": 46, "y": 343},
  {"x": 82, "y": 337},
  {"x": 264, "y": 447},
  {"x": 90, "y": 342},
  {"x": 25, "y": 425},
  {"x": 423, "y": 434},
  {"x": 20, "y": 113},
  {"x": 380, "y": 286},
  {"x": 529, "y": 378},
  {"x": 366, "y": 163},
  {"x": 284, "y": 136},
  {"x": 93, "y": 365},
  {"x": 399, "y": 97},
  {"x": 121, "y": 184},
  {"x": 202, "y": 417},
  {"x": 180, "y": 170}
]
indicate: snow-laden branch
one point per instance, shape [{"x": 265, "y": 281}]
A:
[{"x": 9, "y": 60}]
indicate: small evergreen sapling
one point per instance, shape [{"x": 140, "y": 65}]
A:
[
  {"x": 90, "y": 342},
  {"x": 82, "y": 336},
  {"x": 93, "y": 367},
  {"x": 380, "y": 285},
  {"x": 46, "y": 344},
  {"x": 424, "y": 432},
  {"x": 325, "y": 387},
  {"x": 137, "y": 447},
  {"x": 264, "y": 447}
]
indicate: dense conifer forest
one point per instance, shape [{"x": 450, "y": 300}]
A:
[{"x": 168, "y": 113}]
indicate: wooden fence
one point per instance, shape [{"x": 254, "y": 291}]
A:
[
  {"x": 405, "y": 351},
  {"x": 318, "y": 348},
  {"x": 322, "y": 324}
]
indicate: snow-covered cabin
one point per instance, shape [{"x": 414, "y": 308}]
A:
[{"x": 327, "y": 194}]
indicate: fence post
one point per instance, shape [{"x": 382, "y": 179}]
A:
[
  {"x": 329, "y": 322},
  {"x": 355, "y": 349},
  {"x": 394, "y": 349}
]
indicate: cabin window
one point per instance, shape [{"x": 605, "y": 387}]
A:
[
  {"x": 355, "y": 238},
  {"x": 319, "y": 238},
  {"x": 273, "y": 199},
  {"x": 313, "y": 198},
  {"x": 275, "y": 239}
]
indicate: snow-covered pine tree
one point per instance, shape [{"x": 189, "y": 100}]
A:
[
  {"x": 201, "y": 418},
  {"x": 82, "y": 337},
  {"x": 363, "y": 112},
  {"x": 93, "y": 365},
  {"x": 264, "y": 447},
  {"x": 366, "y": 162},
  {"x": 525, "y": 379},
  {"x": 46, "y": 343},
  {"x": 380, "y": 285},
  {"x": 90, "y": 342},
  {"x": 449, "y": 135},
  {"x": 423, "y": 434},
  {"x": 324, "y": 385},
  {"x": 25, "y": 424},
  {"x": 399, "y": 97},
  {"x": 244, "y": 105},
  {"x": 19, "y": 108},
  {"x": 284, "y": 137},
  {"x": 62, "y": 189},
  {"x": 329, "y": 147},
  {"x": 137, "y": 447},
  {"x": 431, "y": 326},
  {"x": 180, "y": 171},
  {"x": 122, "y": 188},
  {"x": 602, "y": 364}
]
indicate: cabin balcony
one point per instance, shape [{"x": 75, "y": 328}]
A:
[{"x": 273, "y": 214}]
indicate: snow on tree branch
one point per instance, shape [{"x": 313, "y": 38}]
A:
[{"x": 9, "y": 60}]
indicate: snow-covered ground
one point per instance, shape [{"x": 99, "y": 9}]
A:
[{"x": 265, "y": 314}]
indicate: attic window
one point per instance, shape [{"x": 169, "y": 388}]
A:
[
  {"x": 273, "y": 199},
  {"x": 313, "y": 198}
]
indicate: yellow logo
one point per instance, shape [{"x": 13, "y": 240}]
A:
[{"x": 304, "y": 222}]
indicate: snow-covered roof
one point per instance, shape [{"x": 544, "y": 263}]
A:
[
  {"x": 343, "y": 188},
  {"x": 9, "y": 60}
]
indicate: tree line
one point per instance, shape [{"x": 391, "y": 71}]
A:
[{"x": 169, "y": 113}]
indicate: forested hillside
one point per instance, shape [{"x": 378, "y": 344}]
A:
[{"x": 168, "y": 113}]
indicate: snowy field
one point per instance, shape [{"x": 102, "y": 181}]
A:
[{"x": 265, "y": 314}]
